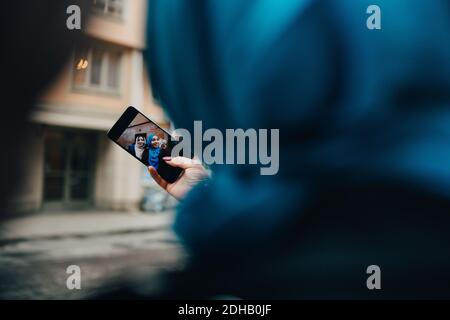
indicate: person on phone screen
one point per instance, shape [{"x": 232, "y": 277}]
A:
[
  {"x": 164, "y": 150},
  {"x": 138, "y": 149},
  {"x": 153, "y": 150}
]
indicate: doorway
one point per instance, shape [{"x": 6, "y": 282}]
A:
[{"x": 69, "y": 168}]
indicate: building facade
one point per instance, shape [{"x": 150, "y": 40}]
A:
[{"x": 74, "y": 164}]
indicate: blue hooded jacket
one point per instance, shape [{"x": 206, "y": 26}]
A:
[{"x": 358, "y": 109}]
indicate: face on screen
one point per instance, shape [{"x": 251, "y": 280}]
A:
[{"x": 145, "y": 141}]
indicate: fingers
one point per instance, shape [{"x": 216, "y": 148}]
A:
[
  {"x": 155, "y": 175},
  {"x": 182, "y": 162}
]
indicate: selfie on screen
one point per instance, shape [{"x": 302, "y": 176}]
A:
[{"x": 145, "y": 141}]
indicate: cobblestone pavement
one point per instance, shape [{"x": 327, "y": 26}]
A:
[{"x": 35, "y": 268}]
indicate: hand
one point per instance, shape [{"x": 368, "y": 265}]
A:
[{"x": 193, "y": 173}]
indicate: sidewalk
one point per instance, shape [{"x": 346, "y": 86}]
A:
[
  {"x": 81, "y": 224},
  {"x": 109, "y": 247}
]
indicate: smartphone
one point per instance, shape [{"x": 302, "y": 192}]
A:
[{"x": 145, "y": 141}]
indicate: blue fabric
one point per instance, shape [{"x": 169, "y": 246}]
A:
[
  {"x": 131, "y": 149},
  {"x": 352, "y": 105},
  {"x": 153, "y": 153}
]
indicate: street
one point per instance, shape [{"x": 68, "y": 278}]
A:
[{"x": 35, "y": 267}]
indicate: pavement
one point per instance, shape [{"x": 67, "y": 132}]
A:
[
  {"x": 109, "y": 247},
  {"x": 79, "y": 224}
]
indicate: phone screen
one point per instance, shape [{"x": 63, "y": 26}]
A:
[{"x": 146, "y": 141}]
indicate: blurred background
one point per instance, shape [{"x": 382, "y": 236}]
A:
[
  {"x": 75, "y": 165},
  {"x": 364, "y": 114},
  {"x": 82, "y": 199}
]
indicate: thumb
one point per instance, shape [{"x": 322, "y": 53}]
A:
[{"x": 159, "y": 180}]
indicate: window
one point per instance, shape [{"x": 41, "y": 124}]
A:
[
  {"x": 98, "y": 69},
  {"x": 113, "y": 70},
  {"x": 108, "y": 8}
]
